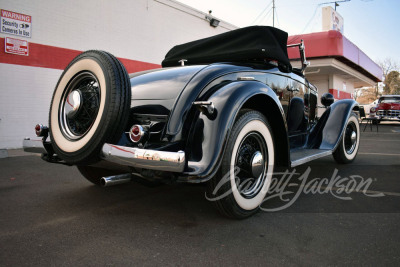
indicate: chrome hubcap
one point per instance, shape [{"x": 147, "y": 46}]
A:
[
  {"x": 350, "y": 138},
  {"x": 74, "y": 100},
  {"x": 79, "y": 105},
  {"x": 251, "y": 159},
  {"x": 257, "y": 164},
  {"x": 353, "y": 137}
]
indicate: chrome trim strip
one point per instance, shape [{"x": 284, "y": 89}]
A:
[
  {"x": 389, "y": 113},
  {"x": 143, "y": 158},
  {"x": 310, "y": 158},
  {"x": 33, "y": 145},
  {"x": 246, "y": 78}
]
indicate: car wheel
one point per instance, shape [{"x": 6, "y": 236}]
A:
[
  {"x": 245, "y": 174},
  {"x": 348, "y": 146},
  {"x": 89, "y": 107}
]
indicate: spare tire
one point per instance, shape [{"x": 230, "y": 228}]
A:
[{"x": 90, "y": 107}]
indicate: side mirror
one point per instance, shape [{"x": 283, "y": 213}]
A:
[{"x": 327, "y": 99}]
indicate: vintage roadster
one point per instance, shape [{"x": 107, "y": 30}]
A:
[{"x": 223, "y": 110}]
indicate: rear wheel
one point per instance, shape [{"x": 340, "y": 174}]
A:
[
  {"x": 348, "y": 146},
  {"x": 89, "y": 107},
  {"x": 244, "y": 177}
]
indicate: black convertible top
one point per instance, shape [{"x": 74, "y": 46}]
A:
[{"x": 241, "y": 45}]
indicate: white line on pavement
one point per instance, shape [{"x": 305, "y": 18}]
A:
[
  {"x": 377, "y": 133},
  {"x": 380, "y": 140},
  {"x": 371, "y": 192},
  {"x": 382, "y": 154}
]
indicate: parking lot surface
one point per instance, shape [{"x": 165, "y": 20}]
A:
[{"x": 50, "y": 215}]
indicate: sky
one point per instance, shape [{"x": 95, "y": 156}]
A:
[{"x": 372, "y": 25}]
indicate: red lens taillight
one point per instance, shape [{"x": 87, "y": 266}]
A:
[
  {"x": 41, "y": 130},
  {"x": 136, "y": 130},
  {"x": 136, "y": 133}
]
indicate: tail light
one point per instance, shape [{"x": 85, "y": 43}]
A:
[
  {"x": 136, "y": 133},
  {"x": 41, "y": 130}
]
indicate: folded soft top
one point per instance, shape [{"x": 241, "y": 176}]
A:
[{"x": 241, "y": 45}]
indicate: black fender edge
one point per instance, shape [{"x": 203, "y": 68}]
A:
[
  {"x": 209, "y": 134},
  {"x": 327, "y": 133}
]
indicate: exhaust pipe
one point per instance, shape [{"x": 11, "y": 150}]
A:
[{"x": 115, "y": 179}]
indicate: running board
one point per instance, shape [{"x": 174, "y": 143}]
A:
[{"x": 301, "y": 156}]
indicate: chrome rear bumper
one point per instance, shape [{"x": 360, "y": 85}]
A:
[
  {"x": 127, "y": 156},
  {"x": 143, "y": 158},
  {"x": 33, "y": 145}
]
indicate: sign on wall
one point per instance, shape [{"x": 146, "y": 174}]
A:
[
  {"x": 16, "y": 46},
  {"x": 15, "y": 23},
  {"x": 331, "y": 20}
]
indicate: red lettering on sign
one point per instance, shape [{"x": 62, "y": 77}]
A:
[{"x": 16, "y": 16}]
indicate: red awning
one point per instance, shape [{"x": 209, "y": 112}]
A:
[{"x": 334, "y": 44}]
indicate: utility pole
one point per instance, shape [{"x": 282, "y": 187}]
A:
[
  {"x": 273, "y": 13},
  {"x": 335, "y": 2}
]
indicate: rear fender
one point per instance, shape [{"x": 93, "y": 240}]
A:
[
  {"x": 213, "y": 131},
  {"x": 330, "y": 127}
]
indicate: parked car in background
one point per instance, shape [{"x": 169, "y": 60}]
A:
[
  {"x": 388, "y": 108},
  {"x": 224, "y": 110},
  {"x": 367, "y": 107}
]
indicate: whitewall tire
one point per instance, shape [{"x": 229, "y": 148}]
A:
[
  {"x": 348, "y": 146},
  {"x": 246, "y": 171},
  {"x": 89, "y": 107}
]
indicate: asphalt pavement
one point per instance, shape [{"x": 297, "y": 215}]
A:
[{"x": 50, "y": 215}]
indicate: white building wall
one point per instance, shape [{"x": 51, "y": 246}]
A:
[
  {"x": 322, "y": 83},
  {"x": 332, "y": 81},
  {"x": 24, "y": 101},
  {"x": 342, "y": 84},
  {"x": 141, "y": 30}
]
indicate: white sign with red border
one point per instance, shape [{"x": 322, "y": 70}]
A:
[
  {"x": 15, "y": 23},
  {"x": 332, "y": 20},
  {"x": 16, "y": 46}
]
